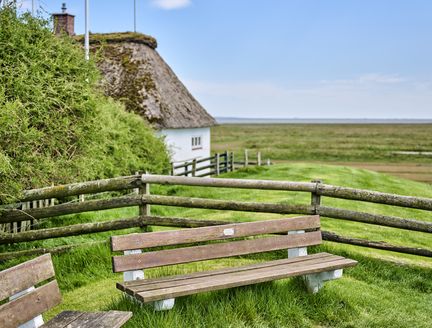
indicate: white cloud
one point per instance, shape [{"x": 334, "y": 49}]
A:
[
  {"x": 171, "y": 4},
  {"x": 366, "y": 96}
]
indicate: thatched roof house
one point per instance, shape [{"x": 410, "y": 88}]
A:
[{"x": 136, "y": 74}]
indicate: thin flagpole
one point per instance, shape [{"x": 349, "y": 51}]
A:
[
  {"x": 86, "y": 36},
  {"x": 33, "y": 7},
  {"x": 135, "y": 16}
]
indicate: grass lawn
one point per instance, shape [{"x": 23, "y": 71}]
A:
[{"x": 385, "y": 289}]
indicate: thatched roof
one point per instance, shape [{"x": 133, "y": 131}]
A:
[{"x": 137, "y": 75}]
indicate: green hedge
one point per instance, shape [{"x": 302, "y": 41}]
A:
[{"x": 55, "y": 124}]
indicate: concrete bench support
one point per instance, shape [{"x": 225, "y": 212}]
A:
[
  {"x": 163, "y": 305},
  {"x": 167, "y": 304},
  {"x": 314, "y": 282}
]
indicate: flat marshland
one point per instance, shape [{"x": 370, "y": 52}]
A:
[{"x": 372, "y": 146}]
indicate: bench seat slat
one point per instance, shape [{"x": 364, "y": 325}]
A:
[
  {"x": 76, "y": 319},
  {"x": 136, "y": 288},
  {"x": 27, "y": 307},
  {"x": 213, "y": 251},
  {"x": 142, "y": 282},
  {"x": 235, "y": 230},
  {"x": 247, "y": 277},
  {"x": 25, "y": 275}
]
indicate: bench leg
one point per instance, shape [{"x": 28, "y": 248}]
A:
[
  {"x": 314, "y": 282},
  {"x": 163, "y": 305},
  {"x": 37, "y": 321}
]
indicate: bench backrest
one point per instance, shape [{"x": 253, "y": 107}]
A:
[
  {"x": 309, "y": 224},
  {"x": 21, "y": 278}
]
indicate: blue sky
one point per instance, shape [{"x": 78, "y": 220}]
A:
[{"x": 286, "y": 58}]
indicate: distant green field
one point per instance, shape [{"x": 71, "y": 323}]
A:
[
  {"x": 327, "y": 142},
  {"x": 385, "y": 289}
]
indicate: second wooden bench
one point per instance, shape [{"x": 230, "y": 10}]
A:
[{"x": 301, "y": 232}]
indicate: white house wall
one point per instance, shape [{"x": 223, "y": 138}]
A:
[{"x": 179, "y": 142}]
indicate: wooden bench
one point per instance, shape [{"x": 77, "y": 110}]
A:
[
  {"x": 302, "y": 232},
  {"x": 25, "y": 304}
]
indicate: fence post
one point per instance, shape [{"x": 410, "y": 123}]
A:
[
  {"x": 136, "y": 190},
  {"x": 246, "y": 159},
  {"x": 232, "y": 161},
  {"x": 217, "y": 164},
  {"x": 194, "y": 167},
  {"x": 259, "y": 158},
  {"x": 226, "y": 161},
  {"x": 172, "y": 168},
  {"x": 144, "y": 189},
  {"x": 315, "y": 197},
  {"x": 186, "y": 168}
]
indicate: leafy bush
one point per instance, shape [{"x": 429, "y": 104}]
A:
[{"x": 55, "y": 124}]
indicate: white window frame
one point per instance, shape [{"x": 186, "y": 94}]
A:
[{"x": 196, "y": 142}]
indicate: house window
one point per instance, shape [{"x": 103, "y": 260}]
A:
[{"x": 196, "y": 143}]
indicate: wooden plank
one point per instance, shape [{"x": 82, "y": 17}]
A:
[
  {"x": 176, "y": 237},
  {"x": 76, "y": 319},
  {"x": 213, "y": 251},
  {"x": 112, "y": 319},
  {"x": 25, "y": 275},
  {"x": 266, "y": 266},
  {"x": 131, "y": 284},
  {"x": 242, "y": 279},
  {"x": 224, "y": 276},
  {"x": 86, "y": 320},
  {"x": 63, "y": 319},
  {"x": 36, "y": 302}
]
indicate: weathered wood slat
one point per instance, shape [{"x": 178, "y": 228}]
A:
[
  {"x": 72, "y": 230},
  {"x": 24, "y": 308},
  {"x": 243, "y": 278},
  {"x": 80, "y": 188},
  {"x": 16, "y": 215},
  {"x": 330, "y": 236},
  {"x": 76, "y": 319},
  {"x": 176, "y": 237},
  {"x": 409, "y": 224},
  {"x": 229, "y": 276},
  {"x": 213, "y": 251},
  {"x": 132, "y": 284},
  {"x": 62, "y": 319},
  {"x": 25, "y": 275},
  {"x": 138, "y": 286},
  {"x": 320, "y": 189}
]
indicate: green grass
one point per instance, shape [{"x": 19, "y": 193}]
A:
[
  {"x": 385, "y": 289},
  {"x": 326, "y": 142}
]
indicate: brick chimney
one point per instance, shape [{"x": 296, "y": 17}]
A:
[{"x": 64, "y": 22}]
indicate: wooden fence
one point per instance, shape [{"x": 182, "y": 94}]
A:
[
  {"x": 11, "y": 214},
  {"x": 215, "y": 165}
]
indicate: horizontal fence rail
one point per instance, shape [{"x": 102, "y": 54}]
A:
[
  {"x": 131, "y": 182},
  {"x": 215, "y": 204},
  {"x": 143, "y": 199}
]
